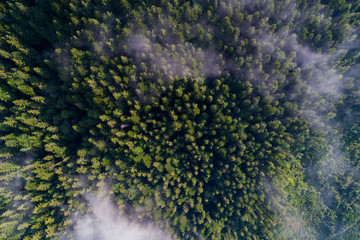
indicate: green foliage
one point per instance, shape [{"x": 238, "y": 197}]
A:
[{"x": 223, "y": 120}]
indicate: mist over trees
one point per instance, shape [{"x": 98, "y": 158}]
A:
[{"x": 207, "y": 119}]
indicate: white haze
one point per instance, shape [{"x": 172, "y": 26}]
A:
[
  {"x": 325, "y": 80},
  {"x": 293, "y": 224},
  {"x": 176, "y": 59},
  {"x": 105, "y": 222}
]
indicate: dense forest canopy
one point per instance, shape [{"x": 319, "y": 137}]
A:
[{"x": 201, "y": 119}]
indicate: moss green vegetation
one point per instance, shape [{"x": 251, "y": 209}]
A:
[{"x": 224, "y": 119}]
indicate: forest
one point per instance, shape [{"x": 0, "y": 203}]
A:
[{"x": 180, "y": 119}]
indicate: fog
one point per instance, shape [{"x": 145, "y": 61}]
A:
[{"x": 104, "y": 221}]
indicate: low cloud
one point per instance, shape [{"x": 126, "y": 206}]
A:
[
  {"x": 178, "y": 59},
  {"x": 291, "y": 221},
  {"x": 105, "y": 222}
]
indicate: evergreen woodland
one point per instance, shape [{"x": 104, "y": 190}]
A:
[{"x": 211, "y": 119}]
